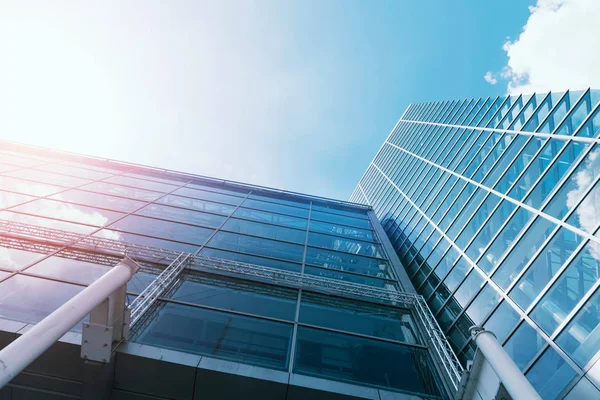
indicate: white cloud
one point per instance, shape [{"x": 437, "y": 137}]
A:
[
  {"x": 557, "y": 49},
  {"x": 489, "y": 78}
]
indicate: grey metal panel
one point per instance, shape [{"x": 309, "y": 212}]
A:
[
  {"x": 5, "y": 394},
  {"x": 27, "y": 394},
  {"x": 154, "y": 377},
  {"x": 385, "y": 395},
  {"x": 50, "y": 383},
  {"x": 584, "y": 389},
  {"x": 224, "y": 386},
  {"x": 123, "y": 395},
  {"x": 61, "y": 360},
  {"x": 249, "y": 371},
  {"x": 308, "y": 387}
]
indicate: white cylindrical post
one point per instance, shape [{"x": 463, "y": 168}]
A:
[
  {"x": 24, "y": 350},
  {"x": 509, "y": 373}
]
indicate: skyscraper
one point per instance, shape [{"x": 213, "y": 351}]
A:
[
  {"x": 493, "y": 207},
  {"x": 243, "y": 292}
]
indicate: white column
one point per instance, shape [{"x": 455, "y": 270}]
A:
[
  {"x": 510, "y": 375},
  {"x": 24, "y": 350}
]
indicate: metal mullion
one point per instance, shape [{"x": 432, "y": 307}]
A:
[
  {"x": 504, "y": 295},
  {"x": 474, "y": 112},
  {"x": 565, "y": 265},
  {"x": 362, "y": 335},
  {"x": 510, "y": 109},
  {"x": 488, "y": 194},
  {"x": 546, "y": 243},
  {"x": 449, "y": 116},
  {"x": 534, "y": 157},
  {"x": 61, "y": 248},
  {"x": 292, "y": 352},
  {"x": 55, "y": 193},
  {"x": 474, "y": 122},
  {"x": 297, "y": 315},
  {"x": 461, "y": 110},
  {"x": 97, "y": 230},
  {"x": 225, "y": 310},
  {"x": 428, "y": 110},
  {"x": 523, "y": 205},
  {"x": 387, "y": 138},
  {"x": 440, "y": 107},
  {"x": 435, "y": 109}
]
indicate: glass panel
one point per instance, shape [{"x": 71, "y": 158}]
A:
[
  {"x": 69, "y": 212},
  {"x": 257, "y": 246},
  {"x": 278, "y": 208},
  {"x": 347, "y": 262},
  {"x": 334, "y": 209},
  {"x": 264, "y": 230},
  {"x": 566, "y": 292},
  {"x": 586, "y": 216},
  {"x": 487, "y": 232},
  {"x": 182, "y": 215},
  {"x": 146, "y": 241},
  {"x": 581, "y": 337},
  {"x": 47, "y": 177},
  {"x": 28, "y": 299},
  {"x": 45, "y": 222},
  {"x": 142, "y": 183},
  {"x": 124, "y": 191},
  {"x": 237, "y": 295},
  {"x": 8, "y": 199},
  {"x": 283, "y": 199},
  {"x": 99, "y": 200},
  {"x": 28, "y": 187},
  {"x": 14, "y": 260},
  {"x": 573, "y": 189},
  {"x": 348, "y": 277},
  {"x": 363, "y": 361},
  {"x": 543, "y": 268},
  {"x": 525, "y": 248},
  {"x": 554, "y": 174},
  {"x": 76, "y": 171},
  {"x": 340, "y": 230},
  {"x": 358, "y": 317},
  {"x": 220, "y": 187},
  {"x": 74, "y": 271},
  {"x": 271, "y": 218},
  {"x": 550, "y": 374},
  {"x": 523, "y": 345},
  {"x": 196, "y": 204},
  {"x": 246, "y": 258},
  {"x": 211, "y": 196},
  {"x": 345, "y": 245},
  {"x": 163, "y": 229},
  {"x": 340, "y": 219},
  {"x": 218, "y": 334},
  {"x": 502, "y": 321}
]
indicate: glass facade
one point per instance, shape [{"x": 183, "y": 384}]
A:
[
  {"x": 232, "y": 317},
  {"x": 492, "y": 206}
]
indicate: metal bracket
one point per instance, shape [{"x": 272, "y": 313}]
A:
[{"x": 97, "y": 342}]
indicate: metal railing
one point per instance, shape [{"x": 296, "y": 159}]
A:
[{"x": 104, "y": 251}]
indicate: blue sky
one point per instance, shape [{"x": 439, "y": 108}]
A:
[{"x": 295, "y": 95}]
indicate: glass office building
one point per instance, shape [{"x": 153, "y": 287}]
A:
[
  {"x": 493, "y": 207},
  {"x": 281, "y": 295}
]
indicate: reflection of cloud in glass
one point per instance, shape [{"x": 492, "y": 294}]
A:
[
  {"x": 12, "y": 259},
  {"x": 588, "y": 212}
]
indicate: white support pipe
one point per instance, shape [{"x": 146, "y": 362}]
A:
[
  {"x": 24, "y": 350},
  {"x": 515, "y": 383}
]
